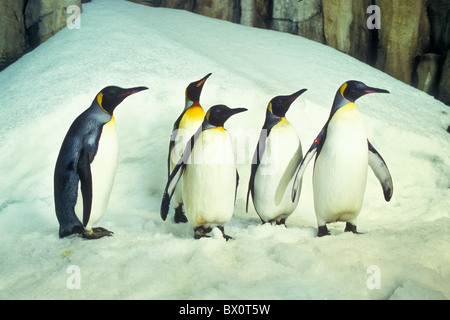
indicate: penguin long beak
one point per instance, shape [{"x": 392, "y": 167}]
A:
[
  {"x": 237, "y": 110},
  {"x": 375, "y": 90},
  {"x": 130, "y": 91},
  {"x": 202, "y": 81},
  {"x": 294, "y": 96}
]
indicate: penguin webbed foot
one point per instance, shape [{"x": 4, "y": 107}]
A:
[
  {"x": 179, "y": 216},
  {"x": 202, "y": 232},
  {"x": 96, "y": 233},
  {"x": 323, "y": 231},
  {"x": 349, "y": 227},
  {"x": 278, "y": 222},
  {"x": 226, "y": 237},
  {"x": 281, "y": 222}
]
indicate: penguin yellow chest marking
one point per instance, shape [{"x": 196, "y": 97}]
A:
[
  {"x": 192, "y": 118},
  {"x": 190, "y": 122},
  {"x": 346, "y": 130},
  {"x": 347, "y": 113}
]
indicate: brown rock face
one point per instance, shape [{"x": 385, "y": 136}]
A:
[
  {"x": 26, "y": 24},
  {"x": 221, "y": 9},
  {"x": 43, "y": 18},
  {"x": 412, "y": 44},
  {"x": 404, "y": 36},
  {"x": 427, "y": 73},
  {"x": 444, "y": 87},
  {"x": 345, "y": 26},
  {"x": 12, "y": 32},
  {"x": 303, "y": 18}
]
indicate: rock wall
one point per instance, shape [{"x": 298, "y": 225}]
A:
[
  {"x": 44, "y": 18},
  {"x": 403, "y": 38},
  {"x": 24, "y": 24},
  {"x": 412, "y": 44},
  {"x": 12, "y": 31}
]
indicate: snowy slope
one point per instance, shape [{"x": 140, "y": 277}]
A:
[{"x": 125, "y": 44}]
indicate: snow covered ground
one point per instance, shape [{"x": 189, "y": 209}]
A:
[{"x": 403, "y": 253}]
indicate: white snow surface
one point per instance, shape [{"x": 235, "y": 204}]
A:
[{"x": 406, "y": 241}]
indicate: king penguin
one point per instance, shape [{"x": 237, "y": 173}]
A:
[
  {"x": 276, "y": 158},
  {"x": 208, "y": 171},
  {"x": 343, "y": 156},
  {"x": 183, "y": 129},
  {"x": 86, "y": 166}
]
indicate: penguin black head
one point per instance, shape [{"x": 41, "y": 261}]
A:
[
  {"x": 194, "y": 89},
  {"x": 110, "y": 97},
  {"x": 353, "y": 90},
  {"x": 218, "y": 114},
  {"x": 278, "y": 106}
]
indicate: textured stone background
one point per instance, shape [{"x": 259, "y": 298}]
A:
[{"x": 412, "y": 44}]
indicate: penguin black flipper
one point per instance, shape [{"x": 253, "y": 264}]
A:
[
  {"x": 251, "y": 181},
  {"x": 85, "y": 176},
  {"x": 65, "y": 200},
  {"x": 269, "y": 123},
  {"x": 237, "y": 184},
  {"x": 315, "y": 148},
  {"x": 172, "y": 139},
  {"x": 381, "y": 171},
  {"x": 255, "y": 164},
  {"x": 176, "y": 175}
]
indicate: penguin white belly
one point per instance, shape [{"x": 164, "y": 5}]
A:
[
  {"x": 209, "y": 180},
  {"x": 275, "y": 174},
  {"x": 340, "y": 171},
  {"x": 103, "y": 172},
  {"x": 188, "y": 126}
]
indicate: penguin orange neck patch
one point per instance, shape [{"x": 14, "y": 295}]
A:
[
  {"x": 192, "y": 117},
  {"x": 221, "y": 129},
  {"x": 269, "y": 107},
  {"x": 347, "y": 112},
  {"x": 100, "y": 100},
  {"x": 342, "y": 89},
  {"x": 195, "y": 111}
]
